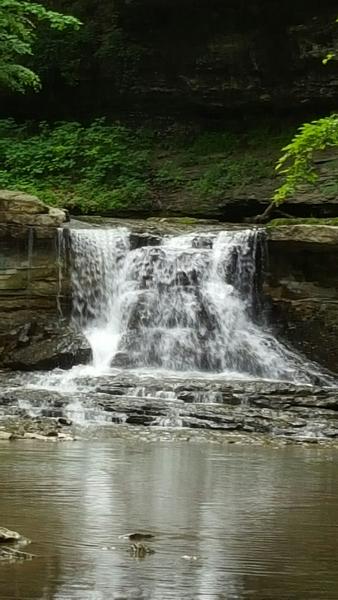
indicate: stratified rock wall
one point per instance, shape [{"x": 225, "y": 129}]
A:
[
  {"x": 31, "y": 333},
  {"x": 303, "y": 287},
  {"x": 188, "y": 58}
]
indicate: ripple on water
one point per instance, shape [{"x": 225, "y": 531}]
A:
[{"x": 261, "y": 524}]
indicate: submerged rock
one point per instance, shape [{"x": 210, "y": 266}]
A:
[
  {"x": 140, "y": 550},
  {"x": 8, "y": 536},
  {"x": 9, "y": 554},
  {"x": 10, "y": 544},
  {"x": 139, "y": 537}
]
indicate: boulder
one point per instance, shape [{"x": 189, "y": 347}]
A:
[
  {"x": 15, "y": 202},
  {"x": 43, "y": 343},
  {"x": 11, "y": 537},
  {"x": 19, "y": 211}
]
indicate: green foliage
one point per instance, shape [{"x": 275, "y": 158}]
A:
[
  {"x": 99, "y": 167},
  {"x": 101, "y": 49},
  {"x": 169, "y": 174},
  {"x": 297, "y": 161},
  {"x": 330, "y": 55},
  {"x": 18, "y": 21},
  {"x": 229, "y": 173},
  {"x": 213, "y": 142},
  {"x": 103, "y": 167}
]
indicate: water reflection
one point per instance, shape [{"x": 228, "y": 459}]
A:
[{"x": 262, "y": 523}]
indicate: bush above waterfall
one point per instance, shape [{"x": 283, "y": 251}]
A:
[
  {"x": 95, "y": 167},
  {"x": 105, "y": 167}
]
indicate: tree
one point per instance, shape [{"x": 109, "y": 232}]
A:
[
  {"x": 18, "y": 25},
  {"x": 297, "y": 161}
]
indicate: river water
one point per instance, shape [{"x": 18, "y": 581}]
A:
[{"x": 230, "y": 522}]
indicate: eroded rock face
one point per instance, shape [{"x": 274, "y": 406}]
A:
[
  {"x": 19, "y": 211},
  {"x": 303, "y": 287},
  {"x": 325, "y": 235},
  {"x": 31, "y": 332},
  {"x": 195, "y": 59},
  {"x": 42, "y": 342}
]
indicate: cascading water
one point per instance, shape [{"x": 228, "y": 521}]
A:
[
  {"x": 98, "y": 260},
  {"x": 190, "y": 303}
]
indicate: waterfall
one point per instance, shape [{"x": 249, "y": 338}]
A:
[{"x": 191, "y": 303}]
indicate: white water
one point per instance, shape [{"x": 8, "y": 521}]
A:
[{"x": 190, "y": 304}]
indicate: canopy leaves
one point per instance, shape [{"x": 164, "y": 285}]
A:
[{"x": 18, "y": 29}]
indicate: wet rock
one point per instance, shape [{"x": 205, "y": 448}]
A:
[
  {"x": 301, "y": 286},
  {"x": 10, "y": 544},
  {"x": 51, "y": 344},
  {"x": 34, "y": 436},
  {"x": 140, "y": 551},
  {"x": 202, "y": 242},
  {"x": 139, "y": 537},
  {"x": 5, "y": 436},
  {"x": 8, "y": 554},
  {"x": 273, "y": 410},
  {"x": 65, "y": 422},
  {"x": 138, "y": 240},
  {"x": 7, "y": 536},
  {"x": 121, "y": 359}
]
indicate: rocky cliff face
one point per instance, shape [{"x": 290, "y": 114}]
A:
[
  {"x": 31, "y": 332},
  {"x": 303, "y": 287},
  {"x": 216, "y": 56},
  {"x": 190, "y": 58}
]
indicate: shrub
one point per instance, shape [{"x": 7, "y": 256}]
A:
[{"x": 92, "y": 168}]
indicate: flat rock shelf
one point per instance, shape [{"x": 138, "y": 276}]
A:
[{"x": 273, "y": 410}]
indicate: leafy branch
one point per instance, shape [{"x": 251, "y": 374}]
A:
[
  {"x": 297, "y": 162},
  {"x": 18, "y": 25}
]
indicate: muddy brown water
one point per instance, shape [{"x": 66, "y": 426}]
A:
[{"x": 261, "y": 522}]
